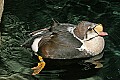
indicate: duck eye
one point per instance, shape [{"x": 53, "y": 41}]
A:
[{"x": 90, "y": 29}]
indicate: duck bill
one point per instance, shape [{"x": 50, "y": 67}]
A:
[
  {"x": 99, "y": 30},
  {"x": 103, "y": 34}
]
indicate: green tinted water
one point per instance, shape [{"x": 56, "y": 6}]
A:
[{"x": 21, "y": 17}]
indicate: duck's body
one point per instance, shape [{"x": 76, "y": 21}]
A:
[{"x": 68, "y": 41}]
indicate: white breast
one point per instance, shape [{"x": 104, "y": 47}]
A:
[{"x": 95, "y": 46}]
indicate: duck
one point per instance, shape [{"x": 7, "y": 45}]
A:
[{"x": 67, "y": 41}]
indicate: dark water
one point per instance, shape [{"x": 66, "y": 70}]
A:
[{"x": 21, "y": 17}]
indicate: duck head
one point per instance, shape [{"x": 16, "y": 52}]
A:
[
  {"x": 91, "y": 35},
  {"x": 88, "y": 30}
]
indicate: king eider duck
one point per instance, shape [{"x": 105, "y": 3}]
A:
[{"x": 67, "y": 41}]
